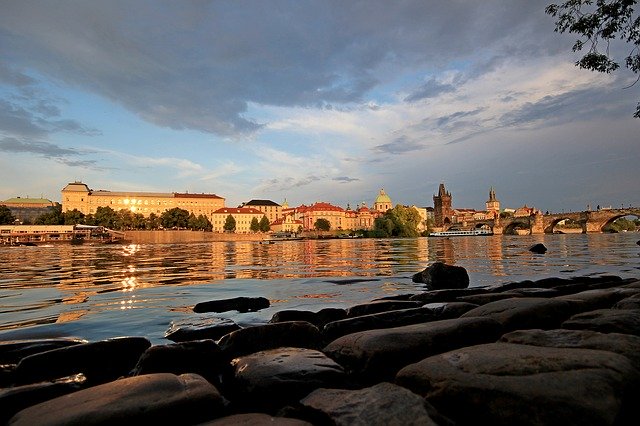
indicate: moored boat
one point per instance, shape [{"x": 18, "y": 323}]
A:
[{"x": 462, "y": 233}]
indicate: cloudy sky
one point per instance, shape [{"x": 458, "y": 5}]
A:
[{"x": 311, "y": 101}]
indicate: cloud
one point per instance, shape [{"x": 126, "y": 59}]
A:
[
  {"x": 400, "y": 145},
  {"x": 42, "y": 148},
  {"x": 430, "y": 89},
  {"x": 345, "y": 179}
]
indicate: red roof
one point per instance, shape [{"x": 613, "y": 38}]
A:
[
  {"x": 238, "y": 210},
  {"x": 187, "y": 195}
]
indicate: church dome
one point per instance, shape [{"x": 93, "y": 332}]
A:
[{"x": 383, "y": 198}]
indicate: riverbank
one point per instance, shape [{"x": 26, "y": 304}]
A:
[
  {"x": 187, "y": 236},
  {"x": 549, "y": 351}
]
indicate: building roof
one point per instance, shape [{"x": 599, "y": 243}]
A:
[
  {"x": 76, "y": 186},
  {"x": 262, "y": 203},
  {"x": 382, "y": 198},
  {"x": 187, "y": 195},
  {"x": 20, "y": 200},
  {"x": 238, "y": 210},
  {"x": 319, "y": 207}
]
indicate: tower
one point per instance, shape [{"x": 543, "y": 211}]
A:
[
  {"x": 442, "y": 211},
  {"x": 383, "y": 202},
  {"x": 492, "y": 204}
]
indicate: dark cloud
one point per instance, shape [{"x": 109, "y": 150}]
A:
[
  {"x": 447, "y": 120},
  {"x": 399, "y": 145},
  {"x": 430, "y": 89},
  {"x": 67, "y": 156},
  {"x": 345, "y": 179},
  {"x": 199, "y": 65}
]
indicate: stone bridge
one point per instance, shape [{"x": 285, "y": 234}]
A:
[{"x": 590, "y": 221}]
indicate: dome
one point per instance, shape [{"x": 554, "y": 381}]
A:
[{"x": 383, "y": 198}]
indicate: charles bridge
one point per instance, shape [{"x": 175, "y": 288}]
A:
[{"x": 590, "y": 221}]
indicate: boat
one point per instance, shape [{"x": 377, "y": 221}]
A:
[
  {"x": 30, "y": 235},
  {"x": 461, "y": 233}
]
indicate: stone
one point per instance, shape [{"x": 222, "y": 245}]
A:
[
  {"x": 389, "y": 319},
  {"x": 383, "y": 404},
  {"x": 200, "y": 328},
  {"x": 437, "y": 296},
  {"x": 12, "y": 351},
  {"x": 439, "y": 276},
  {"x": 626, "y": 321},
  {"x": 378, "y": 354},
  {"x": 273, "y": 378},
  {"x": 623, "y": 344},
  {"x": 538, "y": 248},
  {"x": 100, "y": 361},
  {"x": 17, "y": 398},
  {"x": 483, "y": 299},
  {"x": 632, "y": 302},
  {"x": 380, "y": 306},
  {"x": 509, "y": 384},
  {"x": 297, "y": 334},
  {"x": 150, "y": 399},
  {"x": 595, "y": 299},
  {"x": 319, "y": 319},
  {"x": 450, "y": 310},
  {"x": 254, "y": 419},
  {"x": 240, "y": 304},
  {"x": 202, "y": 357},
  {"x": 524, "y": 313}
]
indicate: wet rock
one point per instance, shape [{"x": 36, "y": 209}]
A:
[
  {"x": 538, "y": 248},
  {"x": 378, "y": 354},
  {"x": 398, "y": 318},
  {"x": 12, "y": 351},
  {"x": 632, "y": 302},
  {"x": 383, "y": 404},
  {"x": 626, "y": 321},
  {"x": 240, "y": 304},
  {"x": 380, "y": 306},
  {"x": 577, "y": 287},
  {"x": 534, "y": 292},
  {"x": 297, "y": 334},
  {"x": 319, "y": 319},
  {"x": 149, "y": 399},
  {"x": 508, "y": 384},
  {"x": 450, "y": 310},
  {"x": 595, "y": 299},
  {"x": 406, "y": 296},
  {"x": 483, "y": 299},
  {"x": 437, "y": 296},
  {"x": 202, "y": 357},
  {"x": 17, "y": 398},
  {"x": 623, "y": 344},
  {"x": 100, "y": 362},
  {"x": 200, "y": 328},
  {"x": 327, "y": 315},
  {"x": 440, "y": 276},
  {"x": 525, "y": 313},
  {"x": 255, "y": 419},
  {"x": 273, "y": 378}
]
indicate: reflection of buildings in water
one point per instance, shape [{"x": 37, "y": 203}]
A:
[
  {"x": 443, "y": 251},
  {"x": 495, "y": 255}
]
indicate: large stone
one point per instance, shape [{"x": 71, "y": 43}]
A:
[
  {"x": 451, "y": 295},
  {"x": 12, "y": 351},
  {"x": 297, "y": 334},
  {"x": 378, "y": 354},
  {"x": 273, "y": 378},
  {"x": 598, "y": 298},
  {"x": 203, "y": 357},
  {"x": 100, "y": 362},
  {"x": 200, "y": 328},
  {"x": 440, "y": 276},
  {"x": 240, "y": 304},
  {"x": 383, "y": 404},
  {"x": 508, "y": 384},
  {"x": 538, "y": 248},
  {"x": 632, "y": 302},
  {"x": 150, "y": 399},
  {"x": 450, "y": 310},
  {"x": 380, "y": 306},
  {"x": 254, "y": 419},
  {"x": 626, "y": 321},
  {"x": 524, "y": 313},
  {"x": 623, "y": 344}
]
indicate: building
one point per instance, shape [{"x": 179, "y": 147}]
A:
[
  {"x": 524, "y": 211},
  {"x": 77, "y": 195},
  {"x": 492, "y": 205},
  {"x": 442, "y": 211},
  {"x": 242, "y": 215},
  {"x": 382, "y": 202},
  {"x": 271, "y": 209},
  {"x": 27, "y": 209},
  {"x": 286, "y": 224}
]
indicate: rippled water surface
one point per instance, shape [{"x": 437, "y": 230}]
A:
[{"x": 105, "y": 291}]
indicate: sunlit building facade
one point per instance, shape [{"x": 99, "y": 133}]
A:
[
  {"x": 242, "y": 215},
  {"x": 271, "y": 209}
]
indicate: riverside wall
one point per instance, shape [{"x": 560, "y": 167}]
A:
[{"x": 187, "y": 236}]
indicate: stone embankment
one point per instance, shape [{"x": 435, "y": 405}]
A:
[{"x": 551, "y": 351}]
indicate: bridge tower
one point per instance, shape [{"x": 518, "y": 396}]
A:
[
  {"x": 442, "y": 211},
  {"x": 492, "y": 204}
]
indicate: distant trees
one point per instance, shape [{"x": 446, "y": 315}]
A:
[
  {"x": 322, "y": 225},
  {"x": 399, "y": 221},
  {"x": 175, "y": 218},
  {"x": 230, "y": 224},
  {"x": 53, "y": 217},
  {"x": 6, "y": 217},
  {"x": 264, "y": 224},
  {"x": 199, "y": 223},
  {"x": 255, "y": 225}
]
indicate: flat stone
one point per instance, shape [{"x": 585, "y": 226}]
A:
[
  {"x": 378, "y": 354},
  {"x": 438, "y": 276},
  {"x": 436, "y": 296},
  {"x": 280, "y": 376},
  {"x": 483, "y": 299},
  {"x": 200, "y": 328},
  {"x": 509, "y": 384},
  {"x": 319, "y": 319},
  {"x": 255, "y": 419},
  {"x": 524, "y": 313},
  {"x": 595, "y": 299},
  {"x": 626, "y": 321},
  {"x": 240, "y": 304},
  {"x": 632, "y": 302},
  {"x": 149, "y": 399},
  {"x": 380, "y": 306},
  {"x": 297, "y": 334},
  {"x": 12, "y": 351},
  {"x": 450, "y": 310},
  {"x": 623, "y": 344},
  {"x": 383, "y": 404},
  {"x": 100, "y": 362}
]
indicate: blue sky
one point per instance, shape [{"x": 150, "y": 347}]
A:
[{"x": 311, "y": 101}]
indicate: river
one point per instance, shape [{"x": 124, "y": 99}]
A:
[{"x": 98, "y": 292}]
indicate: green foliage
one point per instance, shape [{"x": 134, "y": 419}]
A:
[
  {"x": 399, "y": 221},
  {"x": 105, "y": 216},
  {"x": 600, "y": 21},
  {"x": 175, "y": 218},
  {"x": 505, "y": 215},
  {"x": 200, "y": 223},
  {"x": 6, "y": 217},
  {"x": 73, "y": 217},
  {"x": 230, "y": 224},
  {"x": 322, "y": 225},
  {"x": 53, "y": 217},
  {"x": 264, "y": 224},
  {"x": 255, "y": 225},
  {"x": 622, "y": 224}
]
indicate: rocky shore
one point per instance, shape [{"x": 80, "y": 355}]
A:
[{"x": 551, "y": 351}]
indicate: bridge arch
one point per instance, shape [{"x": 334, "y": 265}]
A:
[
  {"x": 618, "y": 216},
  {"x": 517, "y": 223},
  {"x": 550, "y": 228}
]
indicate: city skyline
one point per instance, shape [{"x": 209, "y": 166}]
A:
[{"x": 311, "y": 101}]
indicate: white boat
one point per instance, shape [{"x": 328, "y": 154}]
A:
[{"x": 469, "y": 233}]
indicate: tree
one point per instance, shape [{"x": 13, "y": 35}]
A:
[
  {"x": 255, "y": 226},
  {"x": 53, "y": 217},
  {"x": 175, "y": 218},
  {"x": 73, "y": 217},
  {"x": 230, "y": 224},
  {"x": 105, "y": 216},
  {"x": 265, "y": 226},
  {"x": 6, "y": 217},
  {"x": 604, "y": 21},
  {"x": 322, "y": 225},
  {"x": 152, "y": 222},
  {"x": 399, "y": 221}
]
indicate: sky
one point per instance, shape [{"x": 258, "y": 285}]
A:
[{"x": 312, "y": 101}]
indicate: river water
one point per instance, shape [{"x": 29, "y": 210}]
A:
[{"x": 98, "y": 292}]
